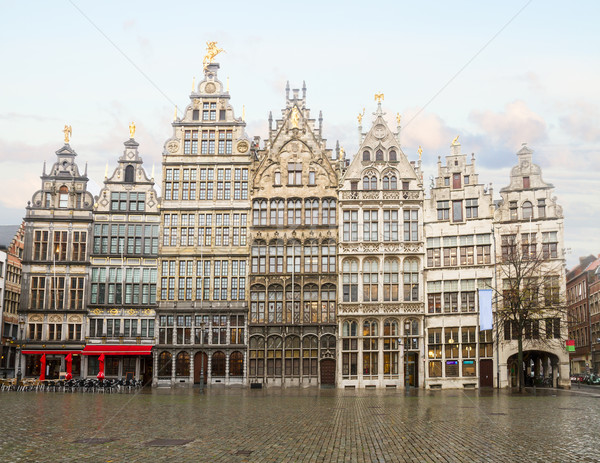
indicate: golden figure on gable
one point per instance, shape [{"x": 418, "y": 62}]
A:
[
  {"x": 211, "y": 52},
  {"x": 68, "y": 133},
  {"x": 295, "y": 117}
]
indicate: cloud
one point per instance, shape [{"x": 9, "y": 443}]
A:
[
  {"x": 26, "y": 153},
  {"x": 582, "y": 122},
  {"x": 515, "y": 125}
]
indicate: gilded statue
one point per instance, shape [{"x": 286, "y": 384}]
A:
[
  {"x": 68, "y": 133},
  {"x": 379, "y": 97},
  {"x": 342, "y": 152},
  {"x": 211, "y": 52},
  {"x": 420, "y": 151},
  {"x": 455, "y": 141},
  {"x": 360, "y": 116},
  {"x": 398, "y": 117},
  {"x": 295, "y": 117},
  {"x": 131, "y": 130}
]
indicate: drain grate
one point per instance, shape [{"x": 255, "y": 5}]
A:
[
  {"x": 94, "y": 440},
  {"x": 167, "y": 442},
  {"x": 244, "y": 452}
]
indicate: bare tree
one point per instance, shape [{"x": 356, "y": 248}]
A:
[{"x": 527, "y": 295}]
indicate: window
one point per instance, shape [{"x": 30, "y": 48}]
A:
[
  {"x": 456, "y": 180},
  {"x": 277, "y": 212},
  {"x": 450, "y": 296},
  {"x": 276, "y": 179},
  {"x": 466, "y": 179},
  {"x": 434, "y": 297},
  {"x": 257, "y": 304},
  {"x": 390, "y": 225},
  {"x": 190, "y": 142},
  {"x": 446, "y": 181},
  {"x": 349, "y": 349},
  {"x": 370, "y": 224},
  {"x": 472, "y": 208},
  {"x": 411, "y": 280},
  {"x": 259, "y": 212},
  {"x": 257, "y": 356},
  {"x": 350, "y": 226},
  {"x": 63, "y": 197},
  {"x": 292, "y": 356},
  {"x": 76, "y": 299},
  {"x": 312, "y": 177},
  {"x": 457, "y": 215},
  {"x": 259, "y": 257},
  {"x": 370, "y": 280},
  {"x": 366, "y": 156},
  {"x": 527, "y": 210},
  {"x": 294, "y": 173},
  {"x": 292, "y": 303},
  {"x": 528, "y": 246},
  {"x": 274, "y": 353},
  {"x": 512, "y": 207},
  {"x": 236, "y": 364},
  {"x": 311, "y": 302},
  {"x": 393, "y": 156},
  {"x": 60, "y": 245},
  {"x": 379, "y": 155},
  {"x": 390, "y": 280},
  {"x": 390, "y": 348},
  {"x": 294, "y": 254},
  {"x": 411, "y": 230},
  {"x": 311, "y": 257},
  {"x": 508, "y": 246},
  {"x": 310, "y": 356},
  {"x": 311, "y": 212},
  {"x": 329, "y": 212},
  {"x": 370, "y": 348},
  {"x": 40, "y": 245},
  {"x": 129, "y": 174},
  {"x": 294, "y": 212},
  {"x": 541, "y": 208},
  {"x": 526, "y": 183},
  {"x": 550, "y": 245},
  {"x": 434, "y": 252},
  {"x": 551, "y": 291},
  {"x": 328, "y": 303},
  {"x": 369, "y": 182},
  {"x": 443, "y": 210},
  {"x": 434, "y": 342},
  {"x": 54, "y": 331},
  {"x": 350, "y": 280}
]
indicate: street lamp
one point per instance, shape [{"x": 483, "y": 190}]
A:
[
  {"x": 202, "y": 324},
  {"x": 20, "y": 347}
]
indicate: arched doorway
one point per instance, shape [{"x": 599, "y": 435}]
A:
[
  {"x": 328, "y": 372},
  {"x": 539, "y": 369},
  {"x": 200, "y": 367}
]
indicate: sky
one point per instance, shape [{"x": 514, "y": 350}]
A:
[{"x": 498, "y": 74}]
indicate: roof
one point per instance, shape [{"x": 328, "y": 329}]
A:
[{"x": 7, "y": 233}]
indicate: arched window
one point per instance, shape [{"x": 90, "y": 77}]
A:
[
  {"x": 294, "y": 212},
  {"x": 277, "y": 178},
  {"x": 182, "y": 364},
  {"x": 311, "y": 256},
  {"x": 366, "y": 183},
  {"x": 311, "y": 303},
  {"x": 292, "y": 356},
  {"x": 391, "y": 280},
  {"x": 236, "y": 364},
  {"x": 257, "y": 356},
  {"x": 294, "y": 254},
  {"x": 411, "y": 280},
  {"x": 328, "y": 217},
  {"x": 276, "y": 256},
  {"x": 292, "y": 303},
  {"x": 370, "y": 280},
  {"x": 274, "y": 356},
  {"x": 349, "y": 349},
  {"x": 277, "y": 212},
  {"x": 164, "y": 364},
  {"x": 311, "y": 212},
  {"x": 310, "y": 356},
  {"x": 275, "y": 309},
  {"x": 63, "y": 196},
  {"x": 328, "y": 303},
  {"x": 370, "y": 348},
  {"x": 328, "y": 343},
  {"x": 218, "y": 364},
  {"x": 411, "y": 334},
  {"x": 393, "y": 155},
  {"x": 373, "y": 183},
  {"x": 393, "y": 183},
  {"x": 129, "y": 174},
  {"x": 390, "y": 348},
  {"x": 366, "y": 156},
  {"x": 350, "y": 280},
  {"x": 386, "y": 183},
  {"x": 527, "y": 210},
  {"x": 328, "y": 257},
  {"x": 259, "y": 257},
  {"x": 257, "y": 304},
  {"x": 259, "y": 212},
  {"x": 379, "y": 155}
]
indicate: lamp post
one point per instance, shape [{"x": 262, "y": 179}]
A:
[
  {"x": 20, "y": 347},
  {"x": 202, "y": 324}
]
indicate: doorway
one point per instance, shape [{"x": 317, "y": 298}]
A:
[
  {"x": 328, "y": 372},
  {"x": 146, "y": 370},
  {"x": 486, "y": 373},
  {"x": 53, "y": 367},
  {"x": 200, "y": 367},
  {"x": 412, "y": 368}
]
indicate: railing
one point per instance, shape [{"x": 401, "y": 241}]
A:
[
  {"x": 397, "y": 195},
  {"x": 383, "y": 308}
]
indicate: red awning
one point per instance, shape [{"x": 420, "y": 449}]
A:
[
  {"x": 51, "y": 352},
  {"x": 118, "y": 349}
]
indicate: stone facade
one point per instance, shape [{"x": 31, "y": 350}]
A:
[
  {"x": 58, "y": 226},
  {"x": 381, "y": 302},
  {"x": 293, "y": 274},
  {"x": 124, "y": 261},
  {"x": 202, "y": 311},
  {"x": 458, "y": 227}
]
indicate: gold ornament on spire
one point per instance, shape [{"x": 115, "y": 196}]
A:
[
  {"x": 420, "y": 151},
  {"x": 131, "y": 129},
  {"x": 398, "y": 117},
  {"x": 342, "y": 152},
  {"x": 211, "y": 52},
  {"x": 455, "y": 141},
  {"x": 295, "y": 117},
  {"x": 379, "y": 97},
  {"x": 360, "y": 116},
  {"x": 68, "y": 133}
]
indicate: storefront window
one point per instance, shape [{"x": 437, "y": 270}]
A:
[
  {"x": 93, "y": 366},
  {"x": 111, "y": 366},
  {"x": 33, "y": 365}
]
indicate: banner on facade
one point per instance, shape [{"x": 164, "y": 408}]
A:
[{"x": 485, "y": 309}]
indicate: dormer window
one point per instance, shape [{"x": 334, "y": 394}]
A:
[
  {"x": 366, "y": 156},
  {"x": 277, "y": 178},
  {"x": 63, "y": 197},
  {"x": 526, "y": 183},
  {"x": 392, "y": 155},
  {"x": 312, "y": 178},
  {"x": 456, "y": 180},
  {"x": 129, "y": 171},
  {"x": 379, "y": 155}
]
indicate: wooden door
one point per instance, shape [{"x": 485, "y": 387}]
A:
[
  {"x": 486, "y": 373},
  {"x": 200, "y": 367},
  {"x": 328, "y": 372}
]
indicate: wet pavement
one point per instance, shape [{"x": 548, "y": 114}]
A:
[{"x": 301, "y": 425}]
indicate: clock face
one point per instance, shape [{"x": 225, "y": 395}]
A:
[{"x": 243, "y": 146}]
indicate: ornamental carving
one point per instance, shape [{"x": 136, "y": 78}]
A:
[
  {"x": 210, "y": 88},
  {"x": 55, "y": 319},
  {"x": 75, "y": 319},
  {"x": 173, "y": 146}
]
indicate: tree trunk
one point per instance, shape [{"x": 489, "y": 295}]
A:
[{"x": 520, "y": 372}]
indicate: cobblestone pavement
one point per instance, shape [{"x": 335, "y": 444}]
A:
[{"x": 301, "y": 425}]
